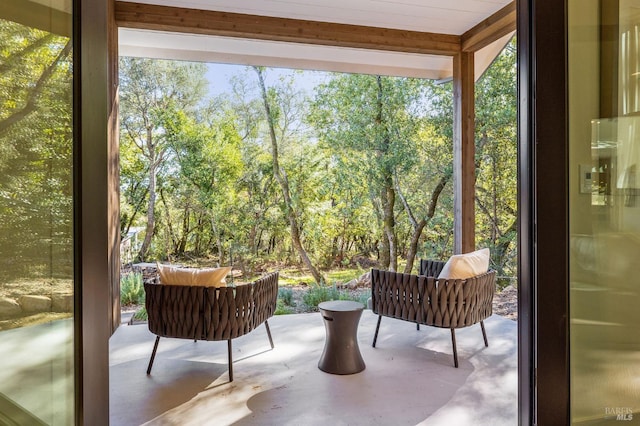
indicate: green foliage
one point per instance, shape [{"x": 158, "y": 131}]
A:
[
  {"x": 286, "y": 295},
  {"x": 153, "y": 95},
  {"x": 317, "y": 294},
  {"x": 132, "y": 289},
  {"x": 496, "y": 150},
  {"x": 503, "y": 282},
  {"x": 141, "y": 314},
  {"x": 282, "y": 308},
  {"x": 364, "y": 297},
  {"x": 344, "y": 275},
  {"x": 294, "y": 277},
  {"x": 362, "y": 157},
  {"x": 36, "y": 142}
]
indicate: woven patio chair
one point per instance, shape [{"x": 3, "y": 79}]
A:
[
  {"x": 427, "y": 300},
  {"x": 210, "y": 313}
]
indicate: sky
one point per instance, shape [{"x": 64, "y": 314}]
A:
[{"x": 219, "y": 76}]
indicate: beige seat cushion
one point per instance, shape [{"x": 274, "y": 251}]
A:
[
  {"x": 207, "y": 277},
  {"x": 461, "y": 266}
]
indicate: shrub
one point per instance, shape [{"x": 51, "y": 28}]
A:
[
  {"x": 131, "y": 289},
  {"x": 282, "y": 309},
  {"x": 286, "y": 295},
  {"x": 318, "y": 294},
  {"x": 141, "y": 314},
  {"x": 364, "y": 297}
]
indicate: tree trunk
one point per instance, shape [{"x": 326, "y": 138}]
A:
[
  {"x": 413, "y": 245},
  {"x": 171, "y": 235},
  {"x": 151, "y": 204},
  {"x": 218, "y": 237},
  {"x": 502, "y": 246},
  {"x": 35, "y": 92},
  {"x": 503, "y": 239},
  {"x": 388, "y": 204},
  {"x": 418, "y": 226},
  {"x": 389, "y": 256},
  {"x": 380, "y": 246},
  {"x": 253, "y": 245},
  {"x": 197, "y": 244},
  {"x": 182, "y": 245},
  {"x": 127, "y": 226},
  {"x": 281, "y": 177}
]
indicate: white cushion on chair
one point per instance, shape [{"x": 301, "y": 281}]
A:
[
  {"x": 461, "y": 266},
  {"x": 208, "y": 277}
]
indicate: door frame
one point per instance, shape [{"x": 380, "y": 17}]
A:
[
  {"x": 543, "y": 320},
  {"x": 96, "y": 205},
  {"x": 543, "y": 331}
]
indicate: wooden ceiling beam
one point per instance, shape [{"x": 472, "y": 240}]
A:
[
  {"x": 491, "y": 29},
  {"x": 194, "y": 21}
]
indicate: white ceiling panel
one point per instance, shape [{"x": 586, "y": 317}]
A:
[
  {"x": 438, "y": 16},
  {"x": 193, "y": 47}
]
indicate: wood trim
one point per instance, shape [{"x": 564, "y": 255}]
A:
[
  {"x": 491, "y": 29},
  {"x": 176, "y": 19},
  {"x": 464, "y": 174},
  {"x": 113, "y": 166},
  {"x": 95, "y": 212}
]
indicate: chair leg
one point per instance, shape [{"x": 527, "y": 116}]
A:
[
  {"x": 484, "y": 334},
  {"x": 266, "y": 324},
  {"x": 455, "y": 349},
  {"x": 230, "y": 360},
  {"x": 153, "y": 355},
  {"x": 375, "y": 336}
]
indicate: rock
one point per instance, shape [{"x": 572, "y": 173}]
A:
[
  {"x": 505, "y": 303},
  {"x": 62, "y": 303},
  {"x": 363, "y": 262},
  {"x": 509, "y": 289},
  {"x": 365, "y": 280},
  {"x": 34, "y": 304},
  {"x": 352, "y": 284},
  {"x": 9, "y": 307}
]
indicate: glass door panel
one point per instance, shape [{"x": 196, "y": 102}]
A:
[
  {"x": 36, "y": 214},
  {"x": 604, "y": 207}
]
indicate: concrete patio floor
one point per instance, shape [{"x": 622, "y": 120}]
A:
[{"x": 409, "y": 377}]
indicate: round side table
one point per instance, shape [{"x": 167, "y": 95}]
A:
[{"x": 341, "y": 353}]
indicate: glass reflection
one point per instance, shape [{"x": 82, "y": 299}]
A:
[
  {"x": 604, "y": 213},
  {"x": 36, "y": 218}
]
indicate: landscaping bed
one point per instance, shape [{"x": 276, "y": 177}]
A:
[{"x": 296, "y": 295}]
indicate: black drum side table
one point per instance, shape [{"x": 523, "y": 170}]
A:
[{"x": 341, "y": 353}]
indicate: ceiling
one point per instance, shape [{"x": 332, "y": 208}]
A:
[{"x": 435, "y": 16}]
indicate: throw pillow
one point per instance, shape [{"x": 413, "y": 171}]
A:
[
  {"x": 461, "y": 266},
  {"x": 208, "y": 277}
]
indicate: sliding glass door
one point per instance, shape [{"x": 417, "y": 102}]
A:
[
  {"x": 36, "y": 214},
  {"x": 604, "y": 210}
]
